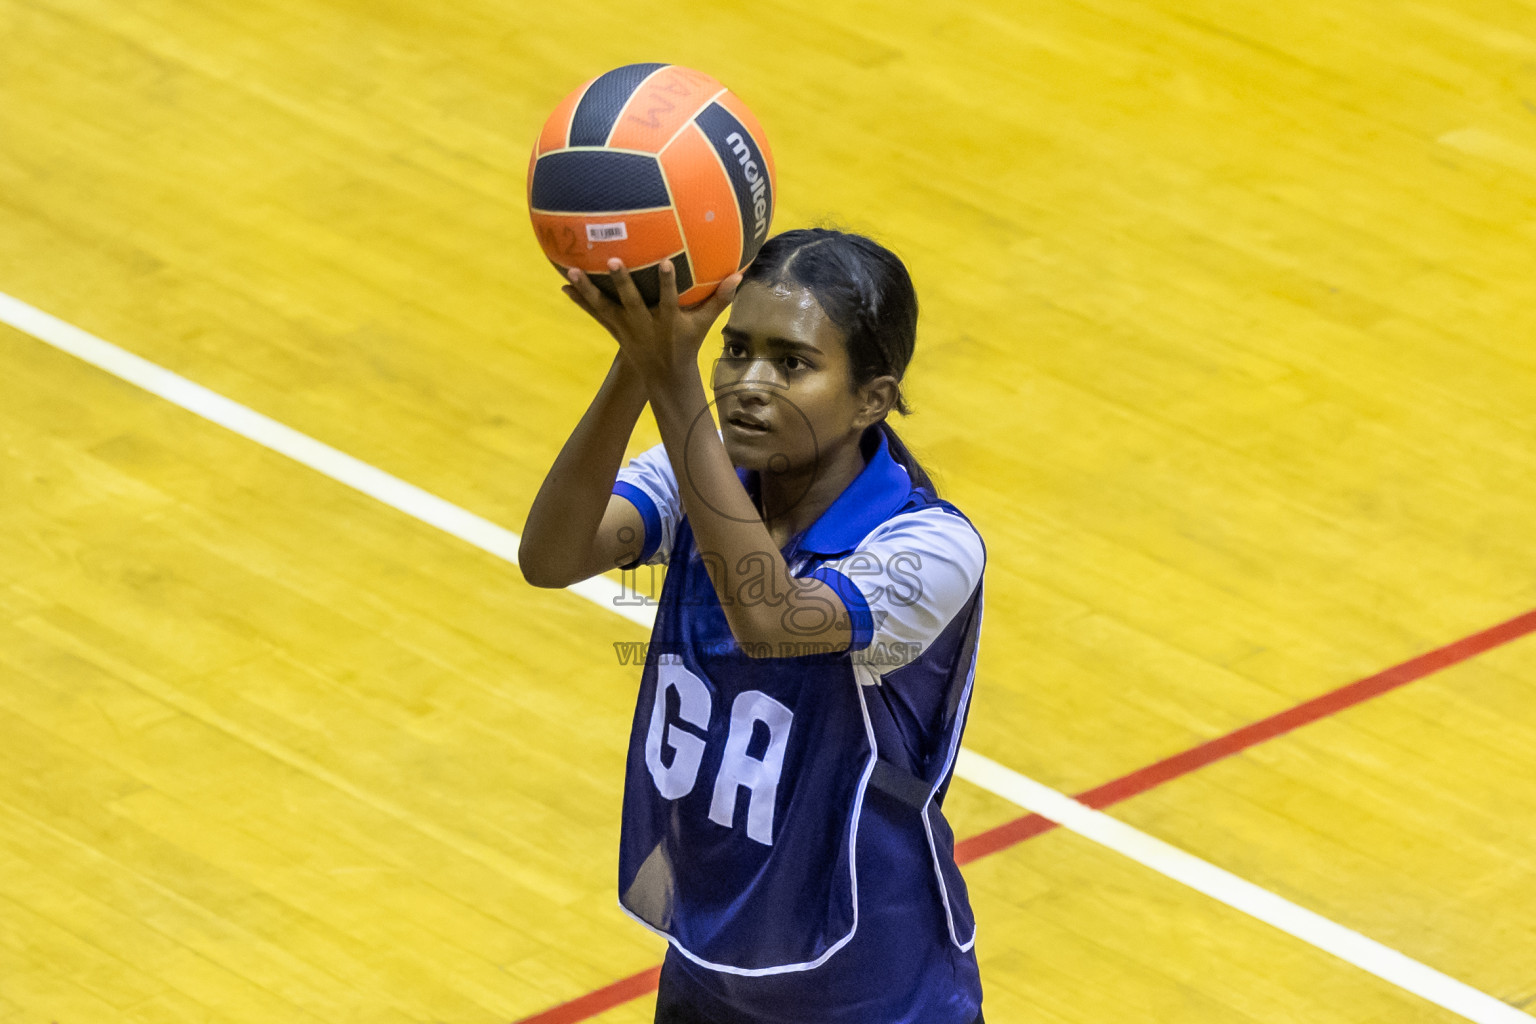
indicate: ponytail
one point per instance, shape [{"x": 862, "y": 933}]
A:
[{"x": 903, "y": 455}]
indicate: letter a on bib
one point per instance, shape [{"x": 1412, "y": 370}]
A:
[{"x": 738, "y": 768}]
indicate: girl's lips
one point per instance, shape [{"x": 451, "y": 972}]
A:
[
  {"x": 747, "y": 424},
  {"x": 742, "y": 430}
]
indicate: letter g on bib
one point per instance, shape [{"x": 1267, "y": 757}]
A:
[{"x": 676, "y": 781}]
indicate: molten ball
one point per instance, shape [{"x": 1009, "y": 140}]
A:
[{"x": 651, "y": 162}]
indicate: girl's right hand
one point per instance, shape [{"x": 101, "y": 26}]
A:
[{"x": 658, "y": 341}]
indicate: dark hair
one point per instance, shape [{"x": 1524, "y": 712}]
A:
[{"x": 866, "y": 292}]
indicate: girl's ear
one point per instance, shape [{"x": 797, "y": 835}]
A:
[{"x": 876, "y": 399}]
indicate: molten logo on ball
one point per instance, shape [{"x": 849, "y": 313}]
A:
[{"x": 755, "y": 179}]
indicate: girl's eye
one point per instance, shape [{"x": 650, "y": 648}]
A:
[
  {"x": 794, "y": 363},
  {"x": 735, "y": 349}
]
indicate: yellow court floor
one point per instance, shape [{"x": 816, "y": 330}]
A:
[{"x": 1228, "y": 348}]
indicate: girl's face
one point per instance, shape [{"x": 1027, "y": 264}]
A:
[{"x": 783, "y": 386}]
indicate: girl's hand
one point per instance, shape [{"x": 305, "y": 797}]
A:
[{"x": 658, "y": 342}]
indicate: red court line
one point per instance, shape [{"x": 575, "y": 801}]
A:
[
  {"x": 1016, "y": 831},
  {"x": 1143, "y": 779},
  {"x": 600, "y": 1001}
]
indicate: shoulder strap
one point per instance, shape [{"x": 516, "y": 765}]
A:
[{"x": 900, "y": 784}]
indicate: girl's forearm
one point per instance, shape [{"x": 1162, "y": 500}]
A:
[
  {"x": 563, "y": 521},
  {"x": 763, "y": 603}
]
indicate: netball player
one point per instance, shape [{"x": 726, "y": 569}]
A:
[{"x": 809, "y": 674}]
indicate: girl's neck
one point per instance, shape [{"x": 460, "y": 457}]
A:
[{"x": 792, "y": 502}]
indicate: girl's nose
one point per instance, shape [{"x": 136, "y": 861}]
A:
[
  {"x": 762, "y": 372},
  {"x": 749, "y": 397}
]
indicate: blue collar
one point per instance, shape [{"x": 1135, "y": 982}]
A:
[{"x": 881, "y": 488}]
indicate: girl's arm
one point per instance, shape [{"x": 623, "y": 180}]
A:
[
  {"x": 769, "y": 610},
  {"x": 577, "y": 527}
]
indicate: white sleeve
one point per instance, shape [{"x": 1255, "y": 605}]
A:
[
  {"x": 649, "y": 484},
  {"x": 915, "y": 572}
]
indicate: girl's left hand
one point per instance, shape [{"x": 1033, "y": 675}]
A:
[{"x": 658, "y": 342}]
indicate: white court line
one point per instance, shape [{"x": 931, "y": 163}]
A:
[
  {"x": 1318, "y": 931},
  {"x": 1368, "y": 954},
  {"x": 301, "y": 448}
]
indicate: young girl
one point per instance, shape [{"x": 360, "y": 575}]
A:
[{"x": 808, "y": 678}]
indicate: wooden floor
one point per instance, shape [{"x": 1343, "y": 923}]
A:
[{"x": 1229, "y": 348}]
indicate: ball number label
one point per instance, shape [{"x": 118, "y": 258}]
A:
[
  {"x": 738, "y": 769},
  {"x": 561, "y": 239}
]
